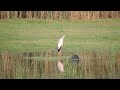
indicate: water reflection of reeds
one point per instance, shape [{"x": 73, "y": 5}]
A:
[{"x": 92, "y": 65}]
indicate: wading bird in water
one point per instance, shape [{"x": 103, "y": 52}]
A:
[{"x": 59, "y": 46}]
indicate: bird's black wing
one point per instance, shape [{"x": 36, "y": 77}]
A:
[{"x": 59, "y": 49}]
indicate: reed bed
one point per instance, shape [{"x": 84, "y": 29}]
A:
[{"x": 92, "y": 65}]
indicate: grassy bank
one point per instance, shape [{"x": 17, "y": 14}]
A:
[{"x": 35, "y": 35}]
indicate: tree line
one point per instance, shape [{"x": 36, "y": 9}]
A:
[{"x": 58, "y": 15}]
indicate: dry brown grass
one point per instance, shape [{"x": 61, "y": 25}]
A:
[
  {"x": 58, "y": 15},
  {"x": 93, "y": 65}
]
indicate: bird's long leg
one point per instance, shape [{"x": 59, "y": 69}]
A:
[{"x": 59, "y": 55}]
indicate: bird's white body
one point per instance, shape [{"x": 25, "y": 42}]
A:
[
  {"x": 59, "y": 46},
  {"x": 60, "y": 66},
  {"x": 60, "y": 43}
]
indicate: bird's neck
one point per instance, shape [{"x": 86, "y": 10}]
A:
[{"x": 63, "y": 37}]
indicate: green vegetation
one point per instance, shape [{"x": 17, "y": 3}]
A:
[
  {"x": 35, "y": 35},
  {"x": 92, "y": 65},
  {"x": 28, "y": 48}
]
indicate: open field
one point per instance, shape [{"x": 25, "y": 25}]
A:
[
  {"x": 35, "y": 35},
  {"x": 28, "y": 48}
]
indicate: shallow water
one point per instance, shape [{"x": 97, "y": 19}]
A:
[{"x": 40, "y": 65}]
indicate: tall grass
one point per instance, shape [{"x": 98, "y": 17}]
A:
[
  {"x": 92, "y": 65},
  {"x": 59, "y": 15},
  {"x": 32, "y": 45}
]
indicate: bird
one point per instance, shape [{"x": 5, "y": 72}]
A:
[
  {"x": 75, "y": 59},
  {"x": 60, "y": 66},
  {"x": 59, "y": 46},
  {"x": 60, "y": 43}
]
